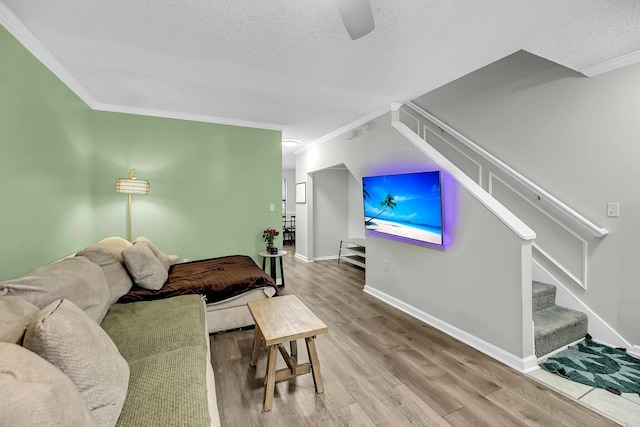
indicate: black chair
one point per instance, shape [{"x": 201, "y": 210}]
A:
[
  {"x": 284, "y": 228},
  {"x": 289, "y": 229}
]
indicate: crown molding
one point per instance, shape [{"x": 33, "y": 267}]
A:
[
  {"x": 350, "y": 126},
  {"x": 13, "y": 25},
  {"x": 111, "y": 108},
  {"x": 611, "y": 64}
]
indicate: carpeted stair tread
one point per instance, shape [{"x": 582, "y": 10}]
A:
[
  {"x": 555, "y": 327},
  {"x": 544, "y": 295}
]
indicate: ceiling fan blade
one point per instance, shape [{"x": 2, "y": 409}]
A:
[{"x": 357, "y": 17}]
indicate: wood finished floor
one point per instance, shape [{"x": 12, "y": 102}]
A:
[{"x": 380, "y": 367}]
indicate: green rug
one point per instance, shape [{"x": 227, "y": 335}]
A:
[{"x": 597, "y": 365}]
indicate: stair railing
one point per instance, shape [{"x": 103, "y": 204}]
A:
[
  {"x": 556, "y": 214},
  {"x": 521, "y": 229},
  {"x": 538, "y": 191}
]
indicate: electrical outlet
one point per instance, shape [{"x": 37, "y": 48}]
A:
[
  {"x": 272, "y": 207},
  {"x": 613, "y": 210}
]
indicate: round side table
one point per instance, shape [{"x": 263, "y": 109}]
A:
[{"x": 272, "y": 263}]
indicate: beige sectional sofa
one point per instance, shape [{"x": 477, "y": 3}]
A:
[
  {"x": 70, "y": 356},
  {"x": 221, "y": 316}
]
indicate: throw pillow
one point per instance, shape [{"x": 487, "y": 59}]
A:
[
  {"x": 146, "y": 269},
  {"x": 107, "y": 253},
  {"x": 117, "y": 243},
  {"x": 166, "y": 260},
  {"x": 36, "y": 393},
  {"x": 66, "y": 337},
  {"x": 76, "y": 279},
  {"x": 15, "y": 315}
]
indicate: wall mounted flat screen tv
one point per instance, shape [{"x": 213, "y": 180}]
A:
[{"x": 404, "y": 205}]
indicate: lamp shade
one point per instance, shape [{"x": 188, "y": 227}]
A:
[{"x": 132, "y": 185}]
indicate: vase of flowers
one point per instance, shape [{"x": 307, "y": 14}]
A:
[{"x": 269, "y": 235}]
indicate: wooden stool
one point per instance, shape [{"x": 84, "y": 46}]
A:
[{"x": 282, "y": 319}]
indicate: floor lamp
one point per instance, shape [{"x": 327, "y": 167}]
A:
[{"x": 132, "y": 185}]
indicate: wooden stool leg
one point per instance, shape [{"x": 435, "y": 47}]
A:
[
  {"x": 294, "y": 348},
  {"x": 315, "y": 364},
  {"x": 270, "y": 386},
  {"x": 257, "y": 338}
]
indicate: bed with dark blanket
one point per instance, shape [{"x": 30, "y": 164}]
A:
[{"x": 218, "y": 279}]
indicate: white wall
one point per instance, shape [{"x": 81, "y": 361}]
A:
[
  {"x": 474, "y": 285},
  {"x": 576, "y": 137},
  {"x": 330, "y": 194},
  {"x": 290, "y": 176},
  {"x": 356, "y": 208}
]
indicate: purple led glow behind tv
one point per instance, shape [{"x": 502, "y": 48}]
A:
[{"x": 404, "y": 205}]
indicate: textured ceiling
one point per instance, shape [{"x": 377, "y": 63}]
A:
[{"x": 290, "y": 64}]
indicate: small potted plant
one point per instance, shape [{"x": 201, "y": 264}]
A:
[{"x": 269, "y": 235}]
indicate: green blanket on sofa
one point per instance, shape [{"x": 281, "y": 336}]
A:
[{"x": 164, "y": 343}]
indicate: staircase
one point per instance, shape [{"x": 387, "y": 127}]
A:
[{"x": 554, "y": 326}]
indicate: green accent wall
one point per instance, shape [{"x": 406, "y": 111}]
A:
[
  {"x": 46, "y": 151},
  {"x": 211, "y": 185}
]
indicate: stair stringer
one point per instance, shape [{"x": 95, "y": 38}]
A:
[{"x": 601, "y": 331}]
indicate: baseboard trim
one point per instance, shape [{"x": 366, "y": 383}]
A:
[
  {"x": 325, "y": 258},
  {"x": 303, "y": 258},
  {"x": 524, "y": 365}
]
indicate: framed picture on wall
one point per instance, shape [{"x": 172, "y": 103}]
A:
[{"x": 301, "y": 192}]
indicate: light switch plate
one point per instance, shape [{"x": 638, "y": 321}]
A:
[{"x": 613, "y": 210}]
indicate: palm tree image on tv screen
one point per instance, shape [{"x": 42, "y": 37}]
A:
[{"x": 404, "y": 205}]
